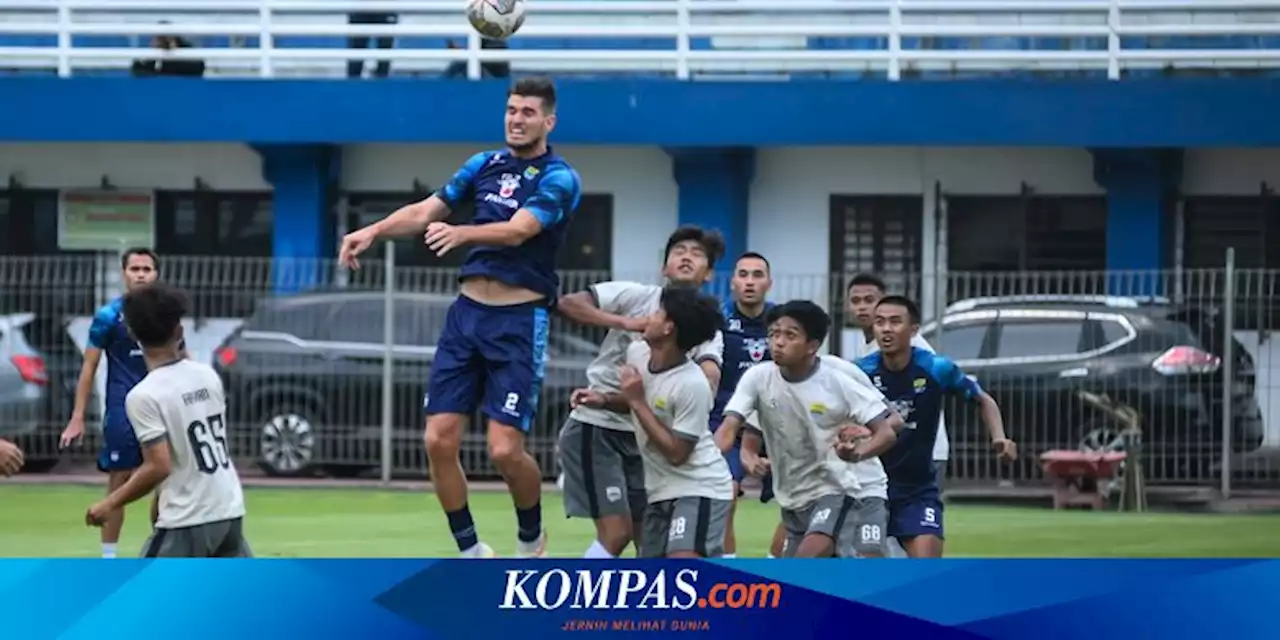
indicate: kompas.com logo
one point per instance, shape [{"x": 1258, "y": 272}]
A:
[{"x": 614, "y": 589}]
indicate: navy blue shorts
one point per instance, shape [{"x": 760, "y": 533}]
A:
[
  {"x": 120, "y": 449},
  {"x": 490, "y": 358},
  {"x": 917, "y": 515}
]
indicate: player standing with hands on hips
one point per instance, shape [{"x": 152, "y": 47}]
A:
[{"x": 492, "y": 352}]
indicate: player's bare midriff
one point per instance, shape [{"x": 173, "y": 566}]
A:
[{"x": 498, "y": 294}]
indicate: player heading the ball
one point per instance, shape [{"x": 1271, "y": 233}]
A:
[{"x": 492, "y": 352}]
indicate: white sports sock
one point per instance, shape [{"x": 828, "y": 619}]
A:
[
  {"x": 473, "y": 551},
  {"x": 108, "y": 550},
  {"x": 771, "y": 556},
  {"x": 728, "y": 555},
  {"x": 597, "y": 552}
]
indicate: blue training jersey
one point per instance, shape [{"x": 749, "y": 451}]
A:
[
  {"x": 746, "y": 344},
  {"x": 500, "y": 184},
  {"x": 916, "y": 393},
  {"x": 125, "y": 366}
]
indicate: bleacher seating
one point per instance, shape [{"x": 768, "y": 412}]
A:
[{"x": 685, "y": 38}]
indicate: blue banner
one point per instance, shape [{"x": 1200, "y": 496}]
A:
[
  {"x": 741, "y": 599},
  {"x": 1075, "y": 113}
]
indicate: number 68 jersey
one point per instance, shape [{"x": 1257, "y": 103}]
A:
[{"x": 183, "y": 403}]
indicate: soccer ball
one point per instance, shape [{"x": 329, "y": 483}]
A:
[{"x": 496, "y": 19}]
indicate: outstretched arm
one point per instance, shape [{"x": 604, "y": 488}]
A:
[
  {"x": 955, "y": 381},
  {"x": 605, "y": 305}
]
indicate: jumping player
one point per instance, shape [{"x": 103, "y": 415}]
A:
[
  {"x": 604, "y": 477},
  {"x": 915, "y": 381},
  {"x": 690, "y": 491},
  {"x": 178, "y": 412},
  {"x": 863, "y": 294},
  {"x": 120, "y": 454},
  {"x": 492, "y": 352},
  {"x": 803, "y": 403},
  {"x": 746, "y": 344}
]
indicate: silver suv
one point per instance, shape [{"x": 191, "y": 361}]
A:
[{"x": 24, "y": 392}]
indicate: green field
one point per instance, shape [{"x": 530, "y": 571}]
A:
[{"x": 48, "y": 521}]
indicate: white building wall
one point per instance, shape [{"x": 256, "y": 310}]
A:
[
  {"x": 790, "y": 198},
  {"x": 1229, "y": 172},
  {"x": 225, "y": 167}
]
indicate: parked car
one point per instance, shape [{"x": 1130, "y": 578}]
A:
[
  {"x": 304, "y": 378},
  {"x": 1034, "y": 354},
  {"x": 25, "y": 397}
]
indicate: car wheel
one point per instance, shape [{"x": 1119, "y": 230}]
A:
[{"x": 286, "y": 443}]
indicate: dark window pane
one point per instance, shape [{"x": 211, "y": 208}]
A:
[
  {"x": 1053, "y": 338},
  {"x": 959, "y": 342}
]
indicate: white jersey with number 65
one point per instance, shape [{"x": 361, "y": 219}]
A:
[{"x": 184, "y": 402}]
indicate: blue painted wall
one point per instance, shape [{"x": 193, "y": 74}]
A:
[
  {"x": 302, "y": 177},
  {"x": 1087, "y": 113},
  {"x": 1139, "y": 183},
  {"x": 715, "y": 192}
]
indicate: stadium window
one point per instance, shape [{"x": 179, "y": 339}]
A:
[
  {"x": 215, "y": 225},
  {"x": 875, "y": 234},
  {"x": 1035, "y": 233},
  {"x": 212, "y": 223},
  {"x": 62, "y": 282},
  {"x": 1212, "y": 224}
]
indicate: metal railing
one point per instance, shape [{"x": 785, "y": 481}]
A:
[
  {"x": 686, "y": 38},
  {"x": 332, "y": 383}
]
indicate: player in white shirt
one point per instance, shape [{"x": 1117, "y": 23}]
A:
[
  {"x": 689, "y": 487},
  {"x": 862, "y": 296},
  {"x": 832, "y": 490},
  {"x": 603, "y": 476},
  {"x": 178, "y": 413}
]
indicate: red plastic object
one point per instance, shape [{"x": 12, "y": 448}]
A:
[{"x": 1077, "y": 476}]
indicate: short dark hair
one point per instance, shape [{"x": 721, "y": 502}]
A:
[
  {"x": 139, "y": 251},
  {"x": 913, "y": 310},
  {"x": 153, "y": 313},
  {"x": 757, "y": 256},
  {"x": 537, "y": 87},
  {"x": 865, "y": 279},
  {"x": 807, "y": 314},
  {"x": 695, "y": 314},
  {"x": 712, "y": 242}
]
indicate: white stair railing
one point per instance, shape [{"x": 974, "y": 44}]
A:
[{"x": 706, "y": 37}]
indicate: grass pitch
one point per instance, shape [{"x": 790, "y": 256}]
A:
[{"x": 48, "y": 521}]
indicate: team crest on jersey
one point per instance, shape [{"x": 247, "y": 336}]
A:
[
  {"x": 508, "y": 184},
  {"x": 756, "y": 348},
  {"x": 531, "y": 173},
  {"x": 818, "y": 409},
  {"x": 919, "y": 385}
]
